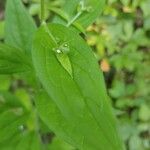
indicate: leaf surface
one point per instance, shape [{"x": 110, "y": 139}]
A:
[
  {"x": 80, "y": 98},
  {"x": 14, "y": 129},
  {"x": 19, "y": 26},
  {"x": 13, "y": 60}
]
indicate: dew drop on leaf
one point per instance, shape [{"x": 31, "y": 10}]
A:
[
  {"x": 65, "y": 48},
  {"x": 58, "y": 51}
]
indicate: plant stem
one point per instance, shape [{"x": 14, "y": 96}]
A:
[
  {"x": 42, "y": 11},
  {"x": 44, "y": 23},
  {"x": 49, "y": 33},
  {"x": 74, "y": 18}
]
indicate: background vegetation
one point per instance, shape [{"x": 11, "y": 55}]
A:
[{"x": 120, "y": 39}]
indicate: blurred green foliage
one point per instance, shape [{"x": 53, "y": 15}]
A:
[{"x": 120, "y": 39}]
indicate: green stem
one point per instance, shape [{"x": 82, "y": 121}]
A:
[
  {"x": 42, "y": 11},
  {"x": 49, "y": 33},
  {"x": 44, "y": 23},
  {"x": 74, "y": 18}
]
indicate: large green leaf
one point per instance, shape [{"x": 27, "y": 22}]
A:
[
  {"x": 80, "y": 95},
  {"x": 13, "y": 60},
  {"x": 80, "y": 133},
  {"x": 73, "y": 8},
  {"x": 19, "y": 26}
]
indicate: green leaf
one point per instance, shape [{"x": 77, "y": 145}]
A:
[
  {"x": 12, "y": 117},
  {"x": 81, "y": 98},
  {"x": 59, "y": 144},
  {"x": 83, "y": 12},
  {"x": 8, "y": 131},
  {"x": 19, "y": 26},
  {"x": 5, "y": 81},
  {"x": 14, "y": 125},
  {"x": 29, "y": 141},
  {"x": 8, "y": 101},
  {"x": 13, "y": 60},
  {"x": 65, "y": 17},
  {"x": 144, "y": 113},
  {"x": 1, "y": 29},
  {"x": 52, "y": 116},
  {"x": 145, "y": 8},
  {"x": 79, "y": 136},
  {"x": 135, "y": 139}
]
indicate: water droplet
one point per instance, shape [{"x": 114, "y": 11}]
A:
[
  {"x": 62, "y": 48},
  {"x": 58, "y": 51},
  {"x": 66, "y": 45},
  {"x": 65, "y": 48}
]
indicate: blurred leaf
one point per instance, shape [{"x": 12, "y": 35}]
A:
[
  {"x": 147, "y": 23},
  {"x": 128, "y": 29},
  {"x": 125, "y": 2},
  {"x": 34, "y": 9},
  {"x": 14, "y": 127},
  {"x": 135, "y": 143},
  {"x": 2, "y": 29},
  {"x": 19, "y": 26},
  {"x": 117, "y": 90},
  {"x": 12, "y": 60},
  {"x": 145, "y": 7},
  {"x": 89, "y": 10},
  {"x": 144, "y": 113},
  {"x": 5, "y": 82},
  {"x": 24, "y": 98}
]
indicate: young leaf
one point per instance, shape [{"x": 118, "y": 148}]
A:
[
  {"x": 83, "y": 12},
  {"x": 81, "y": 96},
  {"x": 13, "y": 60},
  {"x": 19, "y": 26}
]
